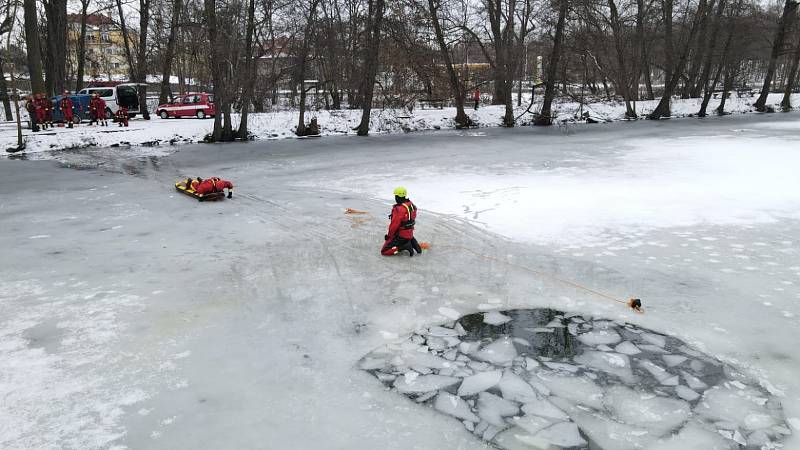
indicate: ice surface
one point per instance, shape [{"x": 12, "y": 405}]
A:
[
  {"x": 627, "y": 348},
  {"x": 609, "y": 434},
  {"x": 563, "y": 434},
  {"x": 646, "y": 411},
  {"x": 693, "y": 382},
  {"x": 575, "y": 389},
  {"x": 613, "y": 363},
  {"x": 495, "y": 318},
  {"x": 686, "y": 393},
  {"x": 673, "y": 360},
  {"x": 543, "y": 408},
  {"x": 493, "y": 409},
  {"x": 302, "y": 281},
  {"x": 743, "y": 407},
  {"x": 693, "y": 437},
  {"x": 654, "y": 339},
  {"x": 479, "y": 383},
  {"x": 424, "y": 383},
  {"x": 515, "y": 388},
  {"x": 455, "y": 406},
  {"x": 501, "y": 351},
  {"x": 657, "y": 371},
  {"x": 599, "y": 337}
]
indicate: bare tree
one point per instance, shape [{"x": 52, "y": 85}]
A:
[
  {"x": 789, "y": 8},
  {"x": 373, "y": 33},
  {"x": 545, "y": 115},
  {"x": 169, "y": 53},
  {"x": 33, "y": 46}
]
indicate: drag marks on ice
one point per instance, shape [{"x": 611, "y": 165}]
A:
[{"x": 527, "y": 379}]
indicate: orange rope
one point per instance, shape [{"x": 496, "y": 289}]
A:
[{"x": 633, "y": 303}]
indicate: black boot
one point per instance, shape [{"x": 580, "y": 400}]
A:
[
  {"x": 409, "y": 247},
  {"x": 415, "y": 245}
]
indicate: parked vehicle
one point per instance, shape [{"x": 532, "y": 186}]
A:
[
  {"x": 125, "y": 94},
  {"x": 193, "y": 104},
  {"x": 81, "y": 107}
]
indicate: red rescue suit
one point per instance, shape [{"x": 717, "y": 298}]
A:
[
  {"x": 212, "y": 184},
  {"x": 66, "y": 108},
  {"x": 122, "y": 116},
  {"x": 41, "y": 110},
  {"x": 401, "y": 229}
]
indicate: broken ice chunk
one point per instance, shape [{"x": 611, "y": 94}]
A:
[
  {"x": 555, "y": 323},
  {"x": 693, "y": 382},
  {"x": 514, "y": 388},
  {"x": 572, "y": 328},
  {"x": 492, "y": 409},
  {"x": 671, "y": 381},
  {"x": 627, "y": 348},
  {"x": 657, "y": 371},
  {"x": 673, "y": 360},
  {"x": 495, "y": 318},
  {"x": 686, "y": 393},
  {"x": 652, "y": 348},
  {"x": 562, "y": 434},
  {"x": 531, "y": 363},
  {"x": 443, "y": 331},
  {"x": 697, "y": 365},
  {"x": 469, "y": 348},
  {"x": 598, "y": 337},
  {"x": 575, "y": 389},
  {"x": 501, "y": 351},
  {"x": 532, "y": 424},
  {"x": 692, "y": 437},
  {"x": 543, "y": 408},
  {"x": 421, "y": 359},
  {"x": 479, "y": 383},
  {"x": 613, "y": 363},
  {"x": 741, "y": 407},
  {"x": 455, "y": 406},
  {"x": 561, "y": 366},
  {"x": 424, "y": 383},
  {"x": 654, "y": 339},
  {"x": 608, "y": 434},
  {"x": 644, "y": 410}
]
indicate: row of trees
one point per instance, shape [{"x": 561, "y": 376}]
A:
[{"x": 411, "y": 49}]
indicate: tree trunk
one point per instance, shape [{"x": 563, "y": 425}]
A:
[
  {"x": 705, "y": 72},
  {"x": 709, "y": 90},
  {"x": 33, "y": 47},
  {"x": 126, "y": 41},
  {"x": 209, "y": 7},
  {"x": 691, "y": 88},
  {"x": 56, "y": 13},
  {"x": 730, "y": 75},
  {"x": 166, "y": 68},
  {"x": 141, "y": 57},
  {"x": 374, "y": 22},
  {"x": 4, "y": 93},
  {"x": 249, "y": 70},
  {"x": 788, "y": 9},
  {"x": 791, "y": 80},
  {"x": 552, "y": 67},
  {"x": 623, "y": 83},
  {"x": 81, "y": 47},
  {"x": 455, "y": 85}
]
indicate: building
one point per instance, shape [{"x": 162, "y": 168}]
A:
[{"x": 105, "y": 48}]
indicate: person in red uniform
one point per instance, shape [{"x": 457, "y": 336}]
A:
[
  {"x": 210, "y": 185},
  {"x": 477, "y": 97},
  {"x": 401, "y": 228},
  {"x": 122, "y": 116},
  {"x": 41, "y": 110},
  {"x": 67, "y": 108},
  {"x": 48, "y": 110},
  {"x": 101, "y": 109},
  {"x": 94, "y": 109},
  {"x": 30, "y": 106}
]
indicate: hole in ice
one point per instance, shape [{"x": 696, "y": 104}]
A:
[{"x": 586, "y": 383}]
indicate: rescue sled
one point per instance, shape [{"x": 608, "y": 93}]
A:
[{"x": 180, "y": 186}]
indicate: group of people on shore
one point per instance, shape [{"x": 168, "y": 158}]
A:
[{"x": 40, "y": 111}]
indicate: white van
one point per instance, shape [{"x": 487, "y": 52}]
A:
[{"x": 126, "y": 94}]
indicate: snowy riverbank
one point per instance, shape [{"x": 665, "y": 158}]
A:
[{"x": 154, "y": 137}]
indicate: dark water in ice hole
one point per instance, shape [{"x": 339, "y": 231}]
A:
[{"x": 561, "y": 345}]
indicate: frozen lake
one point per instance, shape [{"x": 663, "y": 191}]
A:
[{"x": 134, "y": 317}]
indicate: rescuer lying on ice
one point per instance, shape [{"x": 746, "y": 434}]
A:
[
  {"x": 210, "y": 185},
  {"x": 401, "y": 228}
]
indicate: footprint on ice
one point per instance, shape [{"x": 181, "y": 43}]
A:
[{"x": 585, "y": 384}]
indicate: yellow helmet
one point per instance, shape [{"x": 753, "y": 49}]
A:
[{"x": 400, "y": 192}]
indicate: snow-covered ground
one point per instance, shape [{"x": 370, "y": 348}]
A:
[
  {"x": 134, "y": 317},
  {"x": 157, "y": 135}
]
